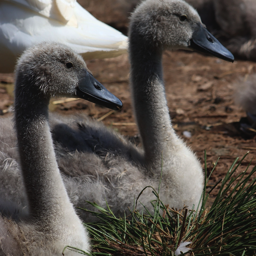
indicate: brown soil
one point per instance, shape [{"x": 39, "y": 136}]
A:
[{"x": 200, "y": 97}]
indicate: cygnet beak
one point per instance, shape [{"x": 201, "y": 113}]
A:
[
  {"x": 203, "y": 41},
  {"x": 90, "y": 89}
]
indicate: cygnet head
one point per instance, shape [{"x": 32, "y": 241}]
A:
[
  {"x": 50, "y": 69},
  {"x": 173, "y": 24}
]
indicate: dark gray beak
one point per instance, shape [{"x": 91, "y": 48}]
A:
[
  {"x": 203, "y": 41},
  {"x": 90, "y": 89}
]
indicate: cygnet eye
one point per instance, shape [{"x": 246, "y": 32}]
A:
[
  {"x": 183, "y": 17},
  {"x": 69, "y": 65}
]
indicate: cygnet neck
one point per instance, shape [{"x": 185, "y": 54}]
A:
[
  {"x": 149, "y": 101},
  {"x": 48, "y": 200}
]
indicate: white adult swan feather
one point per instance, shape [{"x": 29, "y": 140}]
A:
[
  {"x": 51, "y": 223},
  {"x": 24, "y": 23},
  {"x": 107, "y": 168}
]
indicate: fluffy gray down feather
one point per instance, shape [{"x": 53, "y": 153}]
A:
[{"x": 97, "y": 165}]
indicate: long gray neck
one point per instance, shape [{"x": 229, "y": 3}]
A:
[
  {"x": 48, "y": 199},
  {"x": 149, "y": 101}
]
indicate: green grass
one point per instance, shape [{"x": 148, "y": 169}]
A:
[{"x": 228, "y": 227}]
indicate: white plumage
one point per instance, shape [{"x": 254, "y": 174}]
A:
[{"x": 24, "y": 23}]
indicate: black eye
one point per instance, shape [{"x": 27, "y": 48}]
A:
[
  {"x": 183, "y": 17},
  {"x": 69, "y": 65}
]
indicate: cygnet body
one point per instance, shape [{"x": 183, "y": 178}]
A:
[
  {"x": 114, "y": 170},
  {"x": 51, "y": 222}
]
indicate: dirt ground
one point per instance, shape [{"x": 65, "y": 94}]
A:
[{"x": 200, "y": 97}]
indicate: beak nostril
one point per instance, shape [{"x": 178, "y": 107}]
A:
[
  {"x": 209, "y": 39},
  {"x": 96, "y": 85}
]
